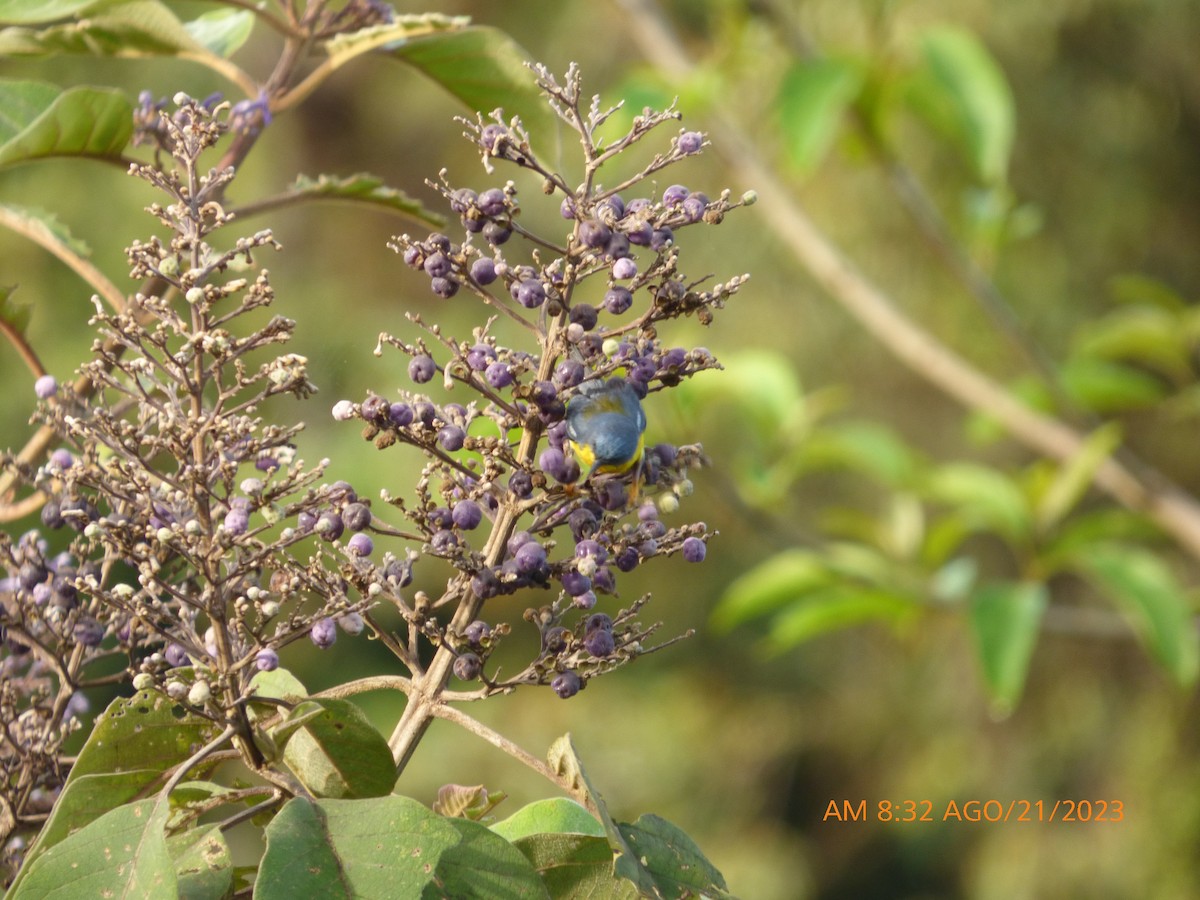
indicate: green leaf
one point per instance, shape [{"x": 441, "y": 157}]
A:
[
  {"x": 1108, "y": 387},
  {"x": 812, "y": 101},
  {"x": 1144, "y": 290},
  {"x": 364, "y": 188},
  {"x": 566, "y": 763},
  {"x": 861, "y": 446},
  {"x": 16, "y": 315},
  {"x": 966, "y": 94},
  {"x": 39, "y": 120},
  {"x": 576, "y": 867},
  {"x": 126, "y": 28},
  {"x": 1145, "y": 589},
  {"x": 203, "y": 865},
  {"x": 834, "y": 608},
  {"x": 222, "y": 31},
  {"x": 387, "y": 847},
  {"x": 485, "y": 69},
  {"x": 132, "y": 744},
  {"x": 558, "y": 815},
  {"x": 32, "y": 12},
  {"x": 1138, "y": 333},
  {"x": 279, "y": 684},
  {"x": 43, "y": 227},
  {"x": 339, "y": 753},
  {"x": 1075, "y": 476},
  {"x": 774, "y": 583},
  {"x": 676, "y": 865},
  {"x": 986, "y": 498},
  {"x": 121, "y": 854},
  {"x": 1005, "y": 619}
]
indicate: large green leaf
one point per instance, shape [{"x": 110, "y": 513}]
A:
[
  {"x": 1108, "y": 387},
  {"x": 772, "y": 584},
  {"x": 203, "y": 865},
  {"x": 387, "y": 847},
  {"x": 557, "y": 815},
  {"x": 485, "y": 69},
  {"x": 986, "y": 498},
  {"x": 1140, "y": 333},
  {"x": 862, "y": 446},
  {"x": 676, "y": 865},
  {"x": 121, "y": 854},
  {"x": 1005, "y": 619},
  {"x": 106, "y": 28},
  {"x": 576, "y": 867},
  {"x": 1075, "y": 476},
  {"x": 222, "y": 31},
  {"x": 39, "y": 120},
  {"x": 812, "y": 102},
  {"x": 834, "y": 608},
  {"x": 338, "y": 752},
  {"x": 1144, "y": 588},
  {"x": 964, "y": 92},
  {"x": 33, "y": 12}
]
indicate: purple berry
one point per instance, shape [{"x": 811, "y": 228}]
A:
[
  {"x": 356, "y": 516},
  {"x": 662, "y": 238},
  {"x": 451, "y": 438},
  {"x": 467, "y": 514},
  {"x": 498, "y": 375},
  {"x": 600, "y": 642},
  {"x": 588, "y": 547},
  {"x": 492, "y": 202},
  {"x": 530, "y": 558},
  {"x": 46, "y": 387},
  {"x": 594, "y": 234},
  {"x": 443, "y": 541},
  {"x": 462, "y": 200},
  {"x": 598, "y": 622},
  {"x": 575, "y": 583},
  {"x": 694, "y": 207},
  {"x": 479, "y": 356},
  {"x": 477, "y": 632},
  {"x": 237, "y": 521},
  {"x": 521, "y": 484},
  {"x": 175, "y": 655},
  {"x": 422, "y": 369},
  {"x": 531, "y": 294},
  {"x": 88, "y": 632},
  {"x": 266, "y": 660},
  {"x": 566, "y": 209},
  {"x": 437, "y": 242},
  {"x": 324, "y": 633},
  {"x": 467, "y": 667},
  {"x": 62, "y": 458},
  {"x": 639, "y": 232},
  {"x": 566, "y": 685},
  {"x": 617, "y": 246},
  {"x": 675, "y": 195},
  {"x": 569, "y": 373},
  {"x": 690, "y": 142},
  {"x": 330, "y": 526},
  {"x": 694, "y": 550},
  {"x": 490, "y": 135},
  {"x": 360, "y": 545},
  {"x": 586, "y": 600},
  {"x": 400, "y": 414},
  {"x": 624, "y": 268},
  {"x": 483, "y": 270},
  {"x": 444, "y": 287},
  {"x": 437, "y": 265},
  {"x": 618, "y": 300},
  {"x": 584, "y": 315},
  {"x": 543, "y": 393},
  {"x": 497, "y": 233}
]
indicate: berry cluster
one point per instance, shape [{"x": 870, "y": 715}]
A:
[{"x": 593, "y": 300}]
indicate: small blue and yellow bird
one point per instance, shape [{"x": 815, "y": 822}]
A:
[{"x": 605, "y": 424}]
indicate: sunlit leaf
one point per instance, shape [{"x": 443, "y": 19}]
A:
[
  {"x": 32, "y": 12},
  {"x": 1143, "y": 587},
  {"x": 1137, "y": 333},
  {"x": 771, "y": 585},
  {"x": 39, "y": 120},
  {"x": 1075, "y": 476},
  {"x": 339, "y": 753},
  {"x": 110, "y": 28},
  {"x": 812, "y": 101},
  {"x": 484, "y": 68},
  {"x": 986, "y": 498},
  {"x": 1108, "y": 387},
  {"x": 222, "y": 31},
  {"x": 203, "y": 864},
  {"x": 15, "y": 315},
  {"x": 966, "y": 94},
  {"x": 863, "y": 446},
  {"x": 834, "y": 608},
  {"x": 121, "y": 854},
  {"x": 1005, "y": 620},
  {"x": 558, "y": 815}
]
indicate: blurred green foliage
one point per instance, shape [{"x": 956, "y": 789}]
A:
[{"x": 901, "y": 604}]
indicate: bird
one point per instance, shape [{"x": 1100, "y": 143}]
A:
[{"x": 605, "y": 426}]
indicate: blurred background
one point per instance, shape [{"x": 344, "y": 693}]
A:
[{"x": 744, "y": 734}]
